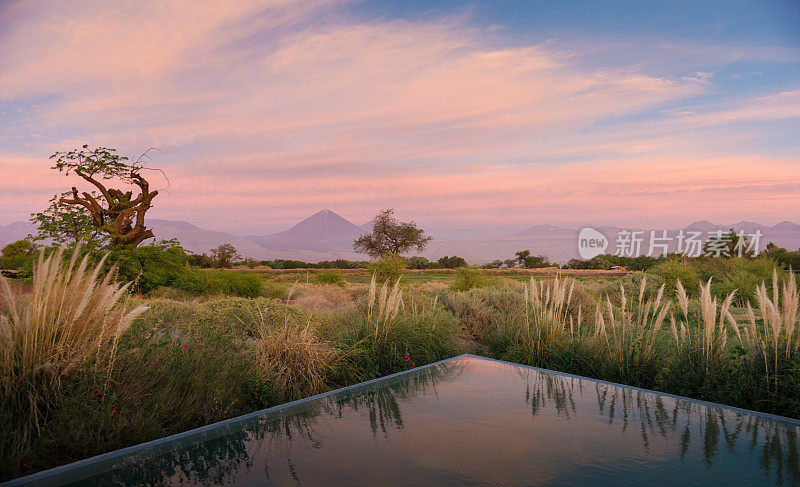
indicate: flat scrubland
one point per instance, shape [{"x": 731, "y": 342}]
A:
[{"x": 87, "y": 368}]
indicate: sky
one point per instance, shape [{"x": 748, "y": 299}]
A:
[{"x": 472, "y": 118}]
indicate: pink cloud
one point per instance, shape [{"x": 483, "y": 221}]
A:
[{"x": 269, "y": 111}]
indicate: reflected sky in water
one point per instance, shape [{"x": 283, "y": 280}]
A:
[{"x": 472, "y": 421}]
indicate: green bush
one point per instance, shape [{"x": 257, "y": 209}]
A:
[
  {"x": 208, "y": 282},
  {"x": 743, "y": 276},
  {"x": 149, "y": 266},
  {"x": 673, "y": 270},
  {"x": 330, "y": 277},
  {"x": 415, "y": 337},
  {"x": 468, "y": 278},
  {"x": 275, "y": 290},
  {"x": 389, "y": 268}
]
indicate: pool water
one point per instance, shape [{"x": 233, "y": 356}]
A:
[{"x": 468, "y": 421}]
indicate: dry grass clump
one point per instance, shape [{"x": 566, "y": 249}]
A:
[
  {"x": 433, "y": 286},
  {"x": 294, "y": 358},
  {"x": 323, "y": 298},
  {"x": 72, "y": 317}
]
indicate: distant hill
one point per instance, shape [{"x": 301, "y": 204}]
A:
[
  {"x": 326, "y": 235},
  {"x": 322, "y": 231},
  {"x": 15, "y": 231}
]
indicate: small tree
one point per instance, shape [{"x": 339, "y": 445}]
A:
[
  {"x": 224, "y": 255},
  {"x": 417, "y": 262},
  {"x": 453, "y": 262},
  {"x": 536, "y": 261},
  {"x": 66, "y": 222},
  {"x": 390, "y": 237},
  {"x": 521, "y": 256},
  {"x": 20, "y": 248},
  {"x": 115, "y": 213}
]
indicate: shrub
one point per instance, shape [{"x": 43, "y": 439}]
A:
[
  {"x": 274, "y": 289},
  {"x": 744, "y": 277},
  {"x": 149, "y": 266},
  {"x": 453, "y": 262},
  {"x": 208, "y": 282},
  {"x": 672, "y": 271},
  {"x": 482, "y": 310},
  {"x": 388, "y": 269},
  {"x": 468, "y": 278},
  {"x": 384, "y": 335},
  {"x": 294, "y": 358},
  {"x": 330, "y": 277},
  {"x": 417, "y": 262},
  {"x": 536, "y": 261}
]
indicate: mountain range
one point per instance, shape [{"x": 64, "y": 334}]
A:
[{"x": 327, "y": 236}]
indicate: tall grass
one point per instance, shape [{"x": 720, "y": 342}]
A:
[
  {"x": 383, "y": 306},
  {"x": 777, "y": 336},
  {"x": 384, "y": 334},
  {"x": 626, "y": 338},
  {"x": 548, "y": 320},
  {"x": 72, "y": 318},
  {"x": 295, "y": 358},
  {"x": 710, "y": 335}
]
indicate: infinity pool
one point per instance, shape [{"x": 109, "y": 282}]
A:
[{"x": 467, "y": 421}]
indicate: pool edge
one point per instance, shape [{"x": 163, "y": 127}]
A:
[{"x": 51, "y": 476}]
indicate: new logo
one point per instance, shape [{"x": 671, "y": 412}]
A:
[{"x": 591, "y": 243}]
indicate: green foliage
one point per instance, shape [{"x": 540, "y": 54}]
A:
[
  {"x": 743, "y": 276},
  {"x": 224, "y": 256},
  {"x": 607, "y": 261},
  {"x": 149, "y": 266},
  {"x": 787, "y": 259},
  {"x": 275, "y": 290},
  {"x": 65, "y": 223},
  {"x": 468, "y": 278},
  {"x": 330, "y": 277},
  {"x": 390, "y": 237},
  {"x": 209, "y": 283},
  {"x": 417, "y": 262},
  {"x": 200, "y": 260},
  {"x": 453, "y": 262},
  {"x": 389, "y": 268},
  {"x": 323, "y": 264},
  {"x": 175, "y": 370},
  {"x": 19, "y": 255},
  {"x": 521, "y": 256},
  {"x": 20, "y": 248},
  {"x": 673, "y": 270},
  {"x": 728, "y": 245},
  {"x": 415, "y": 337},
  {"x": 101, "y": 161},
  {"x": 536, "y": 261}
]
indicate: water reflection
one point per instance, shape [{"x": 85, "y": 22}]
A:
[
  {"x": 462, "y": 422},
  {"x": 661, "y": 416}
]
